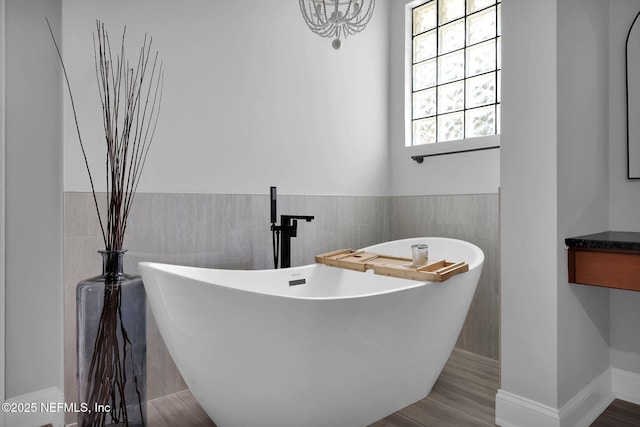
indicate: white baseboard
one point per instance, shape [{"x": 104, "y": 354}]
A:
[
  {"x": 516, "y": 411},
  {"x": 626, "y": 385},
  {"x": 36, "y": 409},
  {"x": 586, "y": 405}
]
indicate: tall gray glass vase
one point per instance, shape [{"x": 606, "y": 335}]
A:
[{"x": 111, "y": 332}]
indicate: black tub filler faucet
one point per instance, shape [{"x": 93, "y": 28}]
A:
[{"x": 288, "y": 228}]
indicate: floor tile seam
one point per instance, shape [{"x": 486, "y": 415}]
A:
[
  {"x": 198, "y": 415},
  {"x": 409, "y": 419},
  {"x": 471, "y": 401},
  {"x": 467, "y": 372},
  {"x": 488, "y": 374},
  {"x": 473, "y": 410},
  {"x": 483, "y": 365},
  {"x": 470, "y": 382},
  {"x": 466, "y": 368},
  {"x": 455, "y": 410},
  {"x": 476, "y": 386},
  {"x": 468, "y": 355},
  {"x": 470, "y": 372}
]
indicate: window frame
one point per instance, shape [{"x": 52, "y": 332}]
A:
[{"x": 438, "y": 148}]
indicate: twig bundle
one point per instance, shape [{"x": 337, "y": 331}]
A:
[
  {"x": 131, "y": 108},
  {"x": 130, "y": 100}
]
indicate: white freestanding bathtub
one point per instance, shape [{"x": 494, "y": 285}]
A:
[{"x": 342, "y": 349}]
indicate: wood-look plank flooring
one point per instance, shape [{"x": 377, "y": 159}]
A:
[
  {"x": 464, "y": 395},
  {"x": 619, "y": 414}
]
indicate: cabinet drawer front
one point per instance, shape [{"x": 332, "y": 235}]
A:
[{"x": 610, "y": 269}]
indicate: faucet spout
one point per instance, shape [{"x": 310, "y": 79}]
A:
[
  {"x": 285, "y": 219},
  {"x": 289, "y": 228}
]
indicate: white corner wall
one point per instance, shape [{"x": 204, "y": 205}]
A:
[
  {"x": 252, "y": 98},
  {"x": 33, "y": 196},
  {"x": 529, "y": 229},
  {"x": 583, "y": 197},
  {"x": 559, "y": 156}
]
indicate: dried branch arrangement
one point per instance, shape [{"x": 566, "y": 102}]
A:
[
  {"x": 130, "y": 96},
  {"x": 130, "y": 99}
]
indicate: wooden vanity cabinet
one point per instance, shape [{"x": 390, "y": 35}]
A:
[{"x": 610, "y": 268}]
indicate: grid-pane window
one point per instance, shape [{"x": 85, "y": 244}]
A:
[{"x": 455, "y": 70}]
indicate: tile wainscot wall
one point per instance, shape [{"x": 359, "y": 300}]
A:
[{"x": 233, "y": 231}]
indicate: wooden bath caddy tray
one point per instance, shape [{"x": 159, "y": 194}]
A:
[{"x": 434, "y": 271}]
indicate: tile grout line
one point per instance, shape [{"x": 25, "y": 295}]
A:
[{"x": 461, "y": 412}]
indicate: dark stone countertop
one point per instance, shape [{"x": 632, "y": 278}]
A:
[{"x": 613, "y": 240}]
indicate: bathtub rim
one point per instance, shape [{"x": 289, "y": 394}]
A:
[{"x": 192, "y": 272}]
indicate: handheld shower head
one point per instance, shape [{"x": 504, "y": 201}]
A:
[{"x": 274, "y": 202}]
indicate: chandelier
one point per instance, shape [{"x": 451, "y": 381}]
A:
[{"x": 337, "y": 18}]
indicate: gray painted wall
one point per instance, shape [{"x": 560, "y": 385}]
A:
[
  {"x": 555, "y": 182},
  {"x": 529, "y": 231},
  {"x": 582, "y": 185},
  {"x": 624, "y": 195},
  {"x": 33, "y": 199},
  {"x": 252, "y": 98}
]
